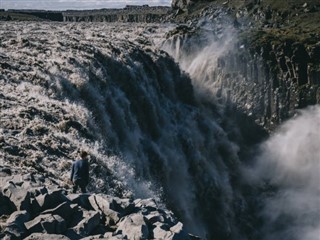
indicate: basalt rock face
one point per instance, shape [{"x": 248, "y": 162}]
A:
[{"x": 263, "y": 65}]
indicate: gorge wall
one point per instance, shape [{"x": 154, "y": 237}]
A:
[{"x": 267, "y": 69}]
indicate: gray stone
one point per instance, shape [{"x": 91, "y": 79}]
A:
[
  {"x": 122, "y": 205},
  {"x": 51, "y": 200},
  {"x": 149, "y": 203},
  {"x": 133, "y": 226},
  {"x": 179, "y": 232},
  {"x": 91, "y": 219},
  {"x": 15, "y": 224},
  {"x": 81, "y": 199},
  {"x": 54, "y": 225},
  {"x": 45, "y": 236},
  {"x": 104, "y": 203},
  {"x": 19, "y": 196},
  {"x": 48, "y": 223},
  {"x": 64, "y": 210},
  {"x": 161, "y": 231},
  {"x": 154, "y": 217},
  {"x": 94, "y": 237}
]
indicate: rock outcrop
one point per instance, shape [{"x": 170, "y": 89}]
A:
[{"x": 30, "y": 209}]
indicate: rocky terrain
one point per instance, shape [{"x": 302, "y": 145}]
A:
[{"x": 33, "y": 206}]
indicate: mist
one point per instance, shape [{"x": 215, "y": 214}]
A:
[{"x": 288, "y": 168}]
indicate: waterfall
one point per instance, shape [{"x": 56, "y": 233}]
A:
[
  {"x": 110, "y": 90},
  {"x": 154, "y": 125}
]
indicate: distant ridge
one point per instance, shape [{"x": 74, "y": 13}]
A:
[{"x": 130, "y": 13}]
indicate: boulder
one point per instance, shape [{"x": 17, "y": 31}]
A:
[
  {"x": 133, "y": 226},
  {"x": 48, "y": 223},
  {"x": 154, "y": 217},
  {"x": 64, "y": 210},
  {"x": 19, "y": 196},
  {"x": 112, "y": 236},
  {"x": 15, "y": 224},
  {"x": 105, "y": 204},
  {"x": 45, "y": 236},
  {"x": 51, "y": 200},
  {"x": 91, "y": 219},
  {"x": 6, "y": 206},
  {"x": 81, "y": 199},
  {"x": 122, "y": 205},
  {"x": 149, "y": 203},
  {"x": 163, "y": 231},
  {"x": 179, "y": 232}
]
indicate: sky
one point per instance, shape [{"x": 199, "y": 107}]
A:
[{"x": 76, "y": 4}]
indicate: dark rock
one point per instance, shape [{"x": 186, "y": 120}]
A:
[
  {"x": 6, "y": 171},
  {"x": 51, "y": 200},
  {"x": 81, "y": 199},
  {"x": 15, "y": 224},
  {"x": 55, "y": 225},
  {"x": 48, "y": 223},
  {"x": 91, "y": 220},
  {"x": 6, "y": 206},
  {"x": 64, "y": 210},
  {"x": 19, "y": 196}
]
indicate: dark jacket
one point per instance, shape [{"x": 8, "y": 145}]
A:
[{"x": 80, "y": 170}]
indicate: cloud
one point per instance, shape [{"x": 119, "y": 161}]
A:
[{"x": 76, "y": 4}]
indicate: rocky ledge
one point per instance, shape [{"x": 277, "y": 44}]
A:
[{"x": 33, "y": 206}]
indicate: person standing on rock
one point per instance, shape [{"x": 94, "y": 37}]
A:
[{"x": 80, "y": 173}]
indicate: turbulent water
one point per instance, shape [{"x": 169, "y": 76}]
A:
[{"x": 150, "y": 129}]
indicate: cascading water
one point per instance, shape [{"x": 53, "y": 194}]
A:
[{"x": 109, "y": 90}]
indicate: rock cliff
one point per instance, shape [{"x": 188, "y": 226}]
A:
[{"x": 272, "y": 67}]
